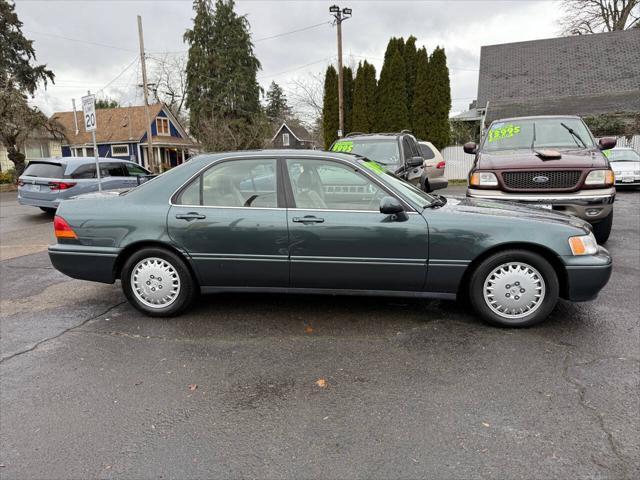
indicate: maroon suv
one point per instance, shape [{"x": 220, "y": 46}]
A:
[{"x": 552, "y": 162}]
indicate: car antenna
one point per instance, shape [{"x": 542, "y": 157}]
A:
[{"x": 533, "y": 141}]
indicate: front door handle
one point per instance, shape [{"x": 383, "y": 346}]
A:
[
  {"x": 190, "y": 216},
  {"x": 308, "y": 219}
]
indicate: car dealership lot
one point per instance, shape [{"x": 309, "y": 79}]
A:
[{"x": 301, "y": 386}]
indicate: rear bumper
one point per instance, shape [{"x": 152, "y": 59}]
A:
[
  {"x": 590, "y": 205},
  {"x": 84, "y": 263},
  {"x": 586, "y": 276},
  {"x": 35, "y": 202}
]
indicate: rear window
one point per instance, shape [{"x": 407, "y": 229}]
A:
[
  {"x": 383, "y": 151},
  {"x": 46, "y": 170}
]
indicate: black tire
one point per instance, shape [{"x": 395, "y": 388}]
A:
[
  {"x": 187, "y": 285},
  {"x": 487, "y": 268},
  {"x": 48, "y": 210},
  {"x": 602, "y": 229}
]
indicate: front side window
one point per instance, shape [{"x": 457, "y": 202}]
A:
[
  {"x": 322, "y": 184},
  {"x": 162, "y": 125},
  {"x": 236, "y": 183},
  {"x": 409, "y": 149},
  {"x": 134, "y": 170}
]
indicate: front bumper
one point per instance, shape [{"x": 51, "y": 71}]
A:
[
  {"x": 590, "y": 205},
  {"x": 84, "y": 263},
  {"x": 586, "y": 275}
]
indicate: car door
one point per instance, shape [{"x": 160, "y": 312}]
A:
[
  {"x": 113, "y": 175},
  {"x": 338, "y": 237},
  {"x": 233, "y": 224}
]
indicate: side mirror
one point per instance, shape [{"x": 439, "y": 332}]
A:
[
  {"x": 606, "y": 143},
  {"x": 471, "y": 148},
  {"x": 390, "y": 206},
  {"x": 415, "y": 161}
]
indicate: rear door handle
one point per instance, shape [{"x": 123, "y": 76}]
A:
[
  {"x": 190, "y": 216},
  {"x": 308, "y": 219}
]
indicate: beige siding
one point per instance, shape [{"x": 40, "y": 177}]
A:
[
  {"x": 5, "y": 163},
  {"x": 55, "y": 148}
]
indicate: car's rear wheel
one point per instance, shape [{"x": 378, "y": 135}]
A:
[
  {"x": 602, "y": 229},
  {"x": 514, "y": 288},
  {"x": 157, "y": 282},
  {"x": 48, "y": 210}
]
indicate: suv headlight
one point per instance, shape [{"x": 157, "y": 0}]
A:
[
  {"x": 483, "y": 179},
  {"x": 600, "y": 177},
  {"x": 583, "y": 245}
]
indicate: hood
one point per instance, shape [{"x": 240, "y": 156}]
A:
[
  {"x": 528, "y": 159},
  {"x": 517, "y": 211}
]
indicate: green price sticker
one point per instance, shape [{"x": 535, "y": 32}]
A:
[
  {"x": 607, "y": 153},
  {"x": 500, "y": 131},
  {"x": 373, "y": 166},
  {"x": 344, "y": 146}
]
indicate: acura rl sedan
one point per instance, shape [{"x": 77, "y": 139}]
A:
[{"x": 323, "y": 223}]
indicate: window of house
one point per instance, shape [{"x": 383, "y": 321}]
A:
[
  {"x": 285, "y": 139},
  {"x": 120, "y": 150},
  {"x": 162, "y": 125},
  {"x": 89, "y": 152},
  {"x": 35, "y": 149}
]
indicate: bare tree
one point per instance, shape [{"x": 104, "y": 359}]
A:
[
  {"x": 305, "y": 96},
  {"x": 169, "y": 80},
  {"x": 222, "y": 134},
  {"x": 595, "y": 16}
]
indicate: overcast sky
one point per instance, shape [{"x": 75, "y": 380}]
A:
[{"x": 108, "y": 44}]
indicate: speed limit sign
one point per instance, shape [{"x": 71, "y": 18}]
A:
[{"x": 89, "y": 111}]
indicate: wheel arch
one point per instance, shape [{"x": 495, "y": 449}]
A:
[
  {"x": 541, "y": 250},
  {"x": 130, "y": 249}
]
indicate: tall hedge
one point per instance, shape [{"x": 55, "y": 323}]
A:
[
  {"x": 439, "y": 99},
  {"x": 419, "y": 108},
  {"x": 330, "y": 122},
  {"x": 364, "y": 98},
  {"x": 392, "y": 113},
  {"x": 347, "y": 89}
]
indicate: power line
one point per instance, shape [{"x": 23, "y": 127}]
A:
[
  {"x": 80, "y": 41},
  {"x": 119, "y": 75}
]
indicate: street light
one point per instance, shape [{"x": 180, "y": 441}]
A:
[{"x": 340, "y": 16}]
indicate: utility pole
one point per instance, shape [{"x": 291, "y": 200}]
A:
[
  {"x": 340, "y": 16},
  {"x": 151, "y": 156}
]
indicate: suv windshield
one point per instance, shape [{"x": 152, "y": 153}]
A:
[
  {"x": 622, "y": 156},
  {"x": 383, "y": 151},
  {"x": 535, "y": 133}
]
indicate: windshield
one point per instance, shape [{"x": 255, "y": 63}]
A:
[
  {"x": 622, "y": 156},
  {"x": 383, "y": 151},
  {"x": 414, "y": 194},
  {"x": 537, "y": 133}
]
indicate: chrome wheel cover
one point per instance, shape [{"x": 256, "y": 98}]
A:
[
  {"x": 514, "y": 290},
  {"x": 155, "y": 282}
]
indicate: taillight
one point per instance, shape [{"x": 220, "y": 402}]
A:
[
  {"x": 20, "y": 183},
  {"x": 62, "y": 229},
  {"x": 60, "y": 185},
  {"x": 440, "y": 165}
]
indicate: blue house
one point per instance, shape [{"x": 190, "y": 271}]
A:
[{"x": 122, "y": 133}]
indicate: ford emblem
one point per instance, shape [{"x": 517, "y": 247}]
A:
[{"x": 541, "y": 179}]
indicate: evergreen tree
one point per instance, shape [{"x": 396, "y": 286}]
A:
[
  {"x": 392, "y": 113},
  {"x": 439, "y": 99},
  {"x": 347, "y": 90},
  {"x": 419, "y": 110},
  {"x": 410, "y": 64},
  {"x": 330, "y": 122},
  {"x": 106, "y": 103},
  {"x": 277, "y": 108},
  {"x": 223, "y": 94},
  {"x": 364, "y": 99}
]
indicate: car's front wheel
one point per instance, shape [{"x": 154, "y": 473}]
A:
[
  {"x": 514, "y": 288},
  {"x": 157, "y": 282},
  {"x": 602, "y": 229}
]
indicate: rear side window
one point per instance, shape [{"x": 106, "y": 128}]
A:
[
  {"x": 46, "y": 170},
  {"x": 84, "y": 171},
  {"x": 426, "y": 152}
]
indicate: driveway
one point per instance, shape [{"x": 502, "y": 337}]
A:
[{"x": 273, "y": 386}]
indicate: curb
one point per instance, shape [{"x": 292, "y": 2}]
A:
[{"x": 8, "y": 187}]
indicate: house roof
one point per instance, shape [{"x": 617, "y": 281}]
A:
[
  {"x": 123, "y": 124},
  {"x": 579, "y": 75},
  {"x": 298, "y": 131}
]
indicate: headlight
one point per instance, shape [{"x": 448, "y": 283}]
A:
[
  {"x": 483, "y": 179},
  {"x": 583, "y": 245},
  {"x": 600, "y": 177}
]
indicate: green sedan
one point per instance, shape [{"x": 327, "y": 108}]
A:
[{"x": 323, "y": 223}]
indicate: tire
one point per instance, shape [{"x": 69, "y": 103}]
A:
[
  {"x": 515, "y": 269},
  {"x": 48, "y": 210},
  {"x": 602, "y": 229},
  {"x": 147, "y": 266}
]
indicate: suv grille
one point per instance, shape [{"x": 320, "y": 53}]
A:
[{"x": 541, "y": 179}]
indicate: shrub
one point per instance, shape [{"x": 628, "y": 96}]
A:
[{"x": 8, "y": 176}]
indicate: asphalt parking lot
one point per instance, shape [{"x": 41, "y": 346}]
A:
[{"x": 270, "y": 386}]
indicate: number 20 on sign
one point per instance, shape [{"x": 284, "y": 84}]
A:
[{"x": 89, "y": 112}]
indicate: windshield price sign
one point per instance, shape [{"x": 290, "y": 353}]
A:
[{"x": 89, "y": 112}]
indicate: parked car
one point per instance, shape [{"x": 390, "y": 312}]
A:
[
  {"x": 433, "y": 166},
  {"x": 625, "y": 163},
  {"x": 399, "y": 153},
  {"x": 552, "y": 162},
  {"x": 46, "y": 182},
  {"x": 269, "y": 221}
]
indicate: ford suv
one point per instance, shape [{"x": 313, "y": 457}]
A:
[{"x": 552, "y": 162}]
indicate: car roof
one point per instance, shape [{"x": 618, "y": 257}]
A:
[
  {"x": 73, "y": 161},
  {"x": 281, "y": 152},
  {"x": 375, "y": 136},
  {"x": 533, "y": 117}
]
